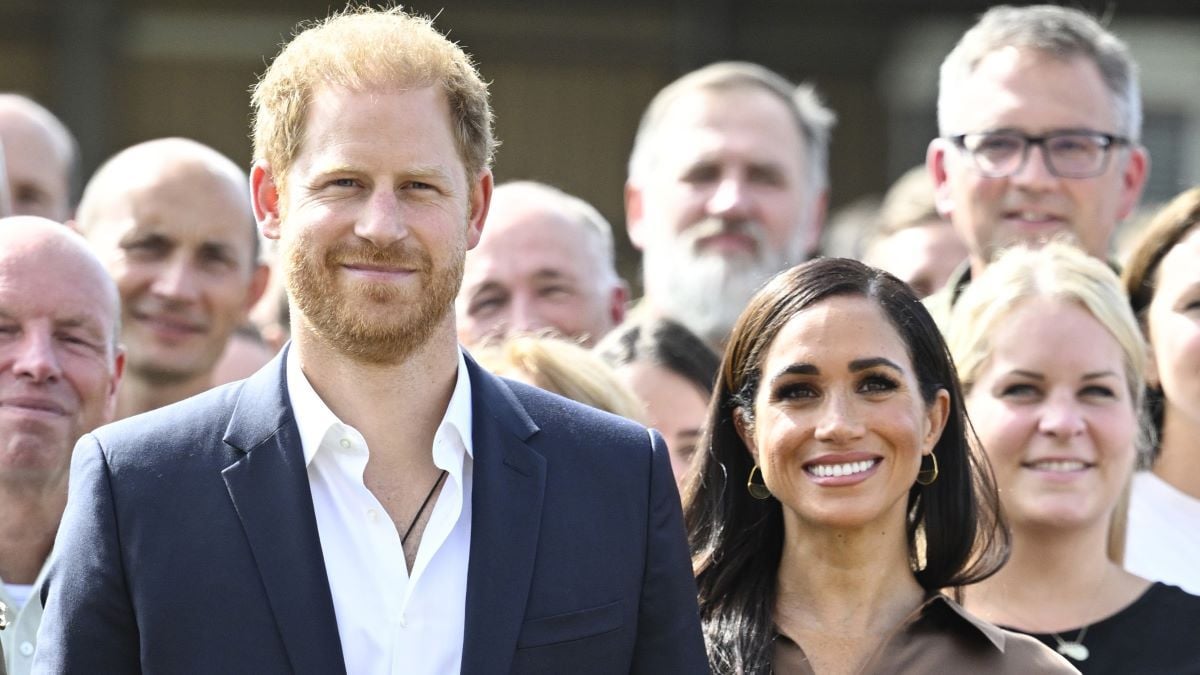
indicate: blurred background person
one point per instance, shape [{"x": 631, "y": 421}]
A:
[
  {"x": 171, "y": 220},
  {"x": 728, "y": 185},
  {"x": 60, "y": 367},
  {"x": 848, "y": 228},
  {"x": 249, "y": 347},
  {"x": 838, "y": 495},
  {"x": 913, "y": 242},
  {"x": 6, "y": 208},
  {"x": 1040, "y": 120},
  {"x": 561, "y": 367},
  {"x": 245, "y": 352},
  {"x": 271, "y": 315},
  {"x": 1051, "y": 359},
  {"x": 671, "y": 371},
  {"x": 545, "y": 260},
  {"x": 1163, "y": 282},
  {"x": 42, "y": 158}
]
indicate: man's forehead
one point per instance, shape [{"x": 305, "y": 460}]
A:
[
  {"x": 47, "y": 283},
  {"x": 1035, "y": 92},
  {"x": 196, "y": 207},
  {"x": 522, "y": 250},
  {"x": 530, "y": 272},
  {"x": 745, "y": 120}
]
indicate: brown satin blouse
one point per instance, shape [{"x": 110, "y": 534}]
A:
[{"x": 941, "y": 637}]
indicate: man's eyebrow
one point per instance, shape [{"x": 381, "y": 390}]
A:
[
  {"x": 549, "y": 273},
  {"x": 489, "y": 285}
]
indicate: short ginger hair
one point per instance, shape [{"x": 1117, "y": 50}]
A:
[{"x": 364, "y": 48}]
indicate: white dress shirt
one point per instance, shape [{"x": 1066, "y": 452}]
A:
[{"x": 388, "y": 620}]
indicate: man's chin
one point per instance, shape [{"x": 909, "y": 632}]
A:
[{"x": 167, "y": 367}]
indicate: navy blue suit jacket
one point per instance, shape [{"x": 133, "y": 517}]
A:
[{"x": 190, "y": 544}]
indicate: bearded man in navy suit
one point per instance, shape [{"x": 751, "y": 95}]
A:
[{"x": 372, "y": 501}]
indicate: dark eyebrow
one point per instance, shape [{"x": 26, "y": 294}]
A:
[
  {"x": 218, "y": 248},
  {"x": 796, "y": 369},
  {"x": 866, "y": 364}
]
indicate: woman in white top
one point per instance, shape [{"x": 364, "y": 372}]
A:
[{"x": 1163, "y": 281}]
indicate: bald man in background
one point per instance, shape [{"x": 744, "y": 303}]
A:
[
  {"x": 171, "y": 220},
  {"x": 545, "y": 262},
  {"x": 60, "y": 367},
  {"x": 41, "y": 157}
]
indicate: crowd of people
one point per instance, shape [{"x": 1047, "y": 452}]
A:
[{"x": 361, "y": 409}]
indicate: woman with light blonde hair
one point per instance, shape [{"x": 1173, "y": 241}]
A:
[
  {"x": 564, "y": 368},
  {"x": 1051, "y": 361}
]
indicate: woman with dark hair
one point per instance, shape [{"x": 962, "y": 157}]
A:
[
  {"x": 837, "y": 494},
  {"x": 1163, "y": 282},
  {"x": 671, "y": 371}
]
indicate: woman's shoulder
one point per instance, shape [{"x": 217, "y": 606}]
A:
[
  {"x": 1025, "y": 654},
  {"x": 1003, "y": 651}
]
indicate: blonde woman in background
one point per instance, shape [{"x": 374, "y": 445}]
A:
[
  {"x": 1051, "y": 361},
  {"x": 564, "y": 368}
]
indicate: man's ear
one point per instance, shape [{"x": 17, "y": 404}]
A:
[
  {"x": 264, "y": 196},
  {"x": 634, "y": 215},
  {"x": 481, "y": 201},
  {"x": 1133, "y": 180},
  {"x": 114, "y": 383},
  {"x": 820, "y": 208},
  {"x": 618, "y": 299},
  {"x": 935, "y": 164}
]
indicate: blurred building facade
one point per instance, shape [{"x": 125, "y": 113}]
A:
[{"x": 570, "y": 80}]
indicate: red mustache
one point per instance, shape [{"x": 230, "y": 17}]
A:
[{"x": 396, "y": 256}]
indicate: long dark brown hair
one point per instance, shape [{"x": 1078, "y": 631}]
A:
[{"x": 737, "y": 540}]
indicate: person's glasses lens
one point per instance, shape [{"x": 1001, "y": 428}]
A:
[
  {"x": 1076, "y": 155},
  {"x": 996, "y": 154}
]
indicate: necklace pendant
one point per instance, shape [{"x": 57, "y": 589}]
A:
[{"x": 1073, "y": 650}]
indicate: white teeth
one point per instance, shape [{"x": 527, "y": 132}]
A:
[
  {"x": 1059, "y": 465},
  {"x": 1033, "y": 216},
  {"x": 835, "y": 470}
]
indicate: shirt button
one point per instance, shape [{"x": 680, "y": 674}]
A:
[
  {"x": 346, "y": 443},
  {"x": 26, "y": 649}
]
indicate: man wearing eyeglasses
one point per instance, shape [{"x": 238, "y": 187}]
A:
[{"x": 1039, "y": 116}]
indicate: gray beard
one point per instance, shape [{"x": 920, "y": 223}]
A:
[{"x": 708, "y": 292}]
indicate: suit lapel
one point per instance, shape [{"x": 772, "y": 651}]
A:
[
  {"x": 506, "y": 507},
  {"x": 269, "y": 489}
]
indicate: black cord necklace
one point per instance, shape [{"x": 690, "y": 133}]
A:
[{"x": 421, "y": 510}]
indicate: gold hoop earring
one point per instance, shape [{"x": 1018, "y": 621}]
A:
[
  {"x": 757, "y": 490},
  {"x": 927, "y": 476}
]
